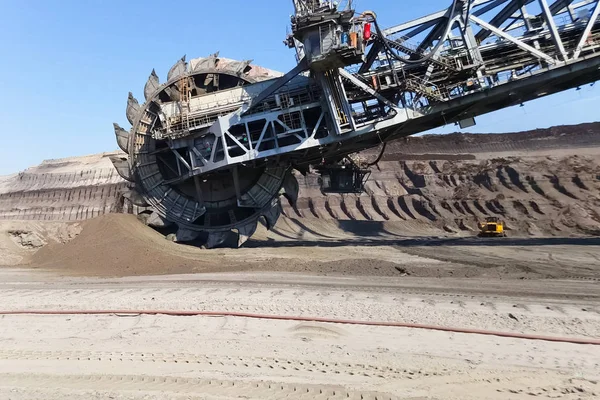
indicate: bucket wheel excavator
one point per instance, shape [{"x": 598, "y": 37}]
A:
[{"x": 213, "y": 149}]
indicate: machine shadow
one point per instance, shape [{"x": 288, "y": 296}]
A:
[{"x": 428, "y": 241}]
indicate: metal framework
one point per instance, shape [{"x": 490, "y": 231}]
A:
[{"x": 217, "y": 120}]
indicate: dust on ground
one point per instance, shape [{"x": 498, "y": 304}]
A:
[
  {"x": 19, "y": 240},
  {"x": 120, "y": 245},
  {"x": 131, "y": 356}
]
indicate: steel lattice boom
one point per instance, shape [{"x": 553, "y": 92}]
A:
[{"x": 213, "y": 148}]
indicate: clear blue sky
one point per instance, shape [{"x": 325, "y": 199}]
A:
[{"x": 67, "y": 65}]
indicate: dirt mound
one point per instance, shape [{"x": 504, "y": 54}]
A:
[
  {"x": 120, "y": 245},
  {"x": 117, "y": 244},
  {"x": 20, "y": 239}
]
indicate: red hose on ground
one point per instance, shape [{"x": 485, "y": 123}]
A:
[{"x": 308, "y": 319}]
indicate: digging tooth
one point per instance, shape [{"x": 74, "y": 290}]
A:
[
  {"x": 245, "y": 232},
  {"x": 133, "y": 109},
  {"x": 207, "y": 63},
  {"x": 121, "y": 164},
  {"x": 290, "y": 188},
  {"x": 156, "y": 221},
  {"x": 216, "y": 238},
  {"x": 135, "y": 198},
  {"x": 241, "y": 66},
  {"x": 171, "y": 93},
  {"x": 177, "y": 69},
  {"x": 184, "y": 235},
  {"x": 122, "y": 137},
  {"x": 272, "y": 214},
  {"x": 153, "y": 219},
  {"x": 151, "y": 86},
  {"x": 215, "y": 58}
]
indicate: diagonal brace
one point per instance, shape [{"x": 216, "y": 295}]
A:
[
  {"x": 553, "y": 31},
  {"x": 512, "y": 39},
  {"x": 587, "y": 31},
  {"x": 346, "y": 75},
  {"x": 301, "y": 67}
]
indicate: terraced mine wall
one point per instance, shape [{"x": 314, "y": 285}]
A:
[
  {"x": 534, "y": 196},
  {"x": 69, "y": 189},
  {"x": 467, "y": 145},
  {"x": 542, "y": 183}
]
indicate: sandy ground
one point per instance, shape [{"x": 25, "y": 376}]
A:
[
  {"x": 542, "y": 286},
  {"x": 119, "y": 245},
  {"x": 133, "y": 356}
]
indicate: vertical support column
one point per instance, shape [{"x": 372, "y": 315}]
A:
[
  {"x": 467, "y": 34},
  {"x": 329, "y": 101},
  {"x": 527, "y": 22},
  {"x": 335, "y": 97},
  {"x": 525, "y": 17},
  {"x": 236, "y": 184},
  {"x": 473, "y": 48},
  {"x": 553, "y": 31},
  {"x": 471, "y": 43},
  {"x": 571, "y": 13},
  {"x": 343, "y": 98},
  {"x": 193, "y": 171}
]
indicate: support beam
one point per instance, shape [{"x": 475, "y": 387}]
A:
[
  {"x": 182, "y": 160},
  {"x": 376, "y": 47},
  {"x": 553, "y": 31},
  {"x": 487, "y": 8},
  {"x": 526, "y": 18},
  {"x": 432, "y": 17},
  {"x": 370, "y": 58},
  {"x": 418, "y": 29},
  {"x": 280, "y": 82},
  {"x": 587, "y": 31},
  {"x": 435, "y": 34},
  {"x": 471, "y": 43},
  {"x": 559, "y": 5},
  {"x": 511, "y": 10},
  {"x": 508, "y": 37},
  {"x": 582, "y": 4},
  {"x": 346, "y": 75},
  {"x": 414, "y": 23},
  {"x": 569, "y": 8}
]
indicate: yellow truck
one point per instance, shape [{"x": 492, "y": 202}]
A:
[{"x": 492, "y": 227}]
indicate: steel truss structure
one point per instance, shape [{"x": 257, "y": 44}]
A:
[{"x": 212, "y": 148}]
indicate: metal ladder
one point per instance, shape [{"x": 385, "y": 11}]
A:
[{"x": 184, "y": 102}]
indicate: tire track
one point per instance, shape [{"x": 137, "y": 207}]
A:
[
  {"x": 161, "y": 384},
  {"x": 207, "y": 362}
]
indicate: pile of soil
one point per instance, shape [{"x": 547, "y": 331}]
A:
[{"x": 119, "y": 244}]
